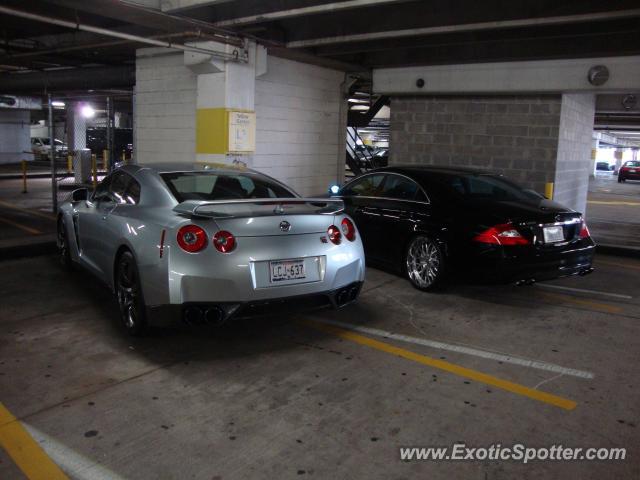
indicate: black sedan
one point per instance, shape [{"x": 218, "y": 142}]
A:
[{"x": 426, "y": 222}]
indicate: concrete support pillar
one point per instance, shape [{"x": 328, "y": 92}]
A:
[
  {"x": 225, "y": 105},
  {"x": 15, "y": 138},
  {"x": 76, "y": 127},
  {"x": 595, "y": 143},
  {"x": 618, "y": 154},
  {"x": 534, "y": 140}
]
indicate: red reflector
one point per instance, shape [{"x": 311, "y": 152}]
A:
[
  {"x": 503, "y": 234},
  {"x": 348, "y": 229},
  {"x": 584, "y": 231},
  {"x": 192, "y": 238},
  {"x": 334, "y": 234},
  {"x": 224, "y": 241}
]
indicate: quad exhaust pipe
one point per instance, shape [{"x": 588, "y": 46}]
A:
[
  {"x": 208, "y": 316},
  {"x": 346, "y": 295}
]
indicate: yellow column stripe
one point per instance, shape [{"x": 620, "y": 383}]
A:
[
  {"x": 24, "y": 228},
  {"x": 446, "y": 366},
  {"x": 24, "y": 450},
  {"x": 616, "y": 202},
  {"x": 604, "y": 307}
]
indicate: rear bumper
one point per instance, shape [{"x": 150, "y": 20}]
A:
[
  {"x": 504, "y": 265},
  {"x": 217, "y": 313}
]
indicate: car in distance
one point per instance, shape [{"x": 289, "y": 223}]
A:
[
  {"x": 208, "y": 245},
  {"x": 426, "y": 221},
  {"x": 629, "y": 171},
  {"x": 605, "y": 166}
]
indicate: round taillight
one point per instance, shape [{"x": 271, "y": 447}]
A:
[
  {"x": 224, "y": 241},
  {"x": 192, "y": 238},
  {"x": 348, "y": 229},
  {"x": 334, "y": 234}
]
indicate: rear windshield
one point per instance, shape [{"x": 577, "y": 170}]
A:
[
  {"x": 486, "y": 187},
  {"x": 210, "y": 186},
  {"x": 632, "y": 164}
]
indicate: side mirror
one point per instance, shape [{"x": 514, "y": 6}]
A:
[{"x": 79, "y": 195}]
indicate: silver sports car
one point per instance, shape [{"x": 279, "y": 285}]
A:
[{"x": 208, "y": 245}]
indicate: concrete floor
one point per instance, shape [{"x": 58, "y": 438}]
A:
[
  {"x": 613, "y": 210},
  {"x": 277, "y": 398}
]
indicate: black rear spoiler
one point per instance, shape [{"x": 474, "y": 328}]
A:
[{"x": 259, "y": 207}]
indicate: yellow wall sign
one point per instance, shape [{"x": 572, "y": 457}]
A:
[{"x": 222, "y": 131}]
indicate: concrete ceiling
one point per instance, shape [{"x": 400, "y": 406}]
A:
[{"x": 355, "y": 35}]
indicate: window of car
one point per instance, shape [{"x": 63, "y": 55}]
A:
[
  {"x": 210, "y": 186},
  {"x": 102, "y": 190},
  {"x": 632, "y": 163},
  {"x": 402, "y": 188},
  {"x": 486, "y": 187},
  {"x": 367, "y": 186},
  {"x": 132, "y": 192},
  {"x": 119, "y": 183}
]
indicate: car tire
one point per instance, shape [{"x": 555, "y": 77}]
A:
[
  {"x": 620, "y": 180},
  {"x": 129, "y": 295},
  {"x": 64, "y": 254},
  {"x": 425, "y": 263}
]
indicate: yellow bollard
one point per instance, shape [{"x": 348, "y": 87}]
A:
[
  {"x": 105, "y": 159},
  {"x": 24, "y": 176},
  {"x": 124, "y": 157},
  {"x": 94, "y": 170},
  {"x": 69, "y": 163},
  {"x": 548, "y": 190}
]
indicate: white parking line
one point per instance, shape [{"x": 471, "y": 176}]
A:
[
  {"x": 582, "y": 290},
  {"x": 73, "y": 463},
  {"x": 523, "y": 362}
]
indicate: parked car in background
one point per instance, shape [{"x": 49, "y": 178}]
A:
[
  {"x": 209, "y": 245},
  {"x": 122, "y": 140},
  {"x": 41, "y": 147},
  {"x": 425, "y": 222},
  {"x": 629, "y": 171},
  {"x": 605, "y": 166}
]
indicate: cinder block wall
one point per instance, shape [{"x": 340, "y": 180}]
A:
[
  {"x": 297, "y": 109},
  {"x": 297, "y": 115},
  {"x": 15, "y": 136},
  {"x": 574, "y": 150},
  {"x": 165, "y": 113},
  {"x": 513, "y": 135}
]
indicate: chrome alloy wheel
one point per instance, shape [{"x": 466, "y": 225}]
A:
[
  {"x": 424, "y": 262},
  {"x": 128, "y": 292}
]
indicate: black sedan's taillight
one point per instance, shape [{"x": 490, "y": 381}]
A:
[{"x": 503, "y": 234}]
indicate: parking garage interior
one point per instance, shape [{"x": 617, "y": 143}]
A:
[{"x": 314, "y": 94}]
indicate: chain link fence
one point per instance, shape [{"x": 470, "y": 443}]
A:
[{"x": 89, "y": 137}]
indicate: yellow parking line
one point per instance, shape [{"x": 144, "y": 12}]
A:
[
  {"x": 603, "y": 202},
  {"x": 446, "y": 366},
  {"x": 616, "y": 264},
  {"x": 24, "y": 228},
  {"x": 48, "y": 216},
  {"x": 24, "y": 450},
  {"x": 604, "y": 307}
]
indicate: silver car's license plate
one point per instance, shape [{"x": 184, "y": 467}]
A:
[
  {"x": 287, "y": 270},
  {"x": 553, "y": 234}
]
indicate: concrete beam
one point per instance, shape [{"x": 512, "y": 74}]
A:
[
  {"x": 176, "y": 5},
  {"x": 332, "y": 7},
  {"x": 547, "y": 76},
  {"x": 469, "y": 27}
]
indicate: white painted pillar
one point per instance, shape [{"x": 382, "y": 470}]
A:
[
  {"x": 225, "y": 105},
  {"x": 76, "y": 127},
  {"x": 595, "y": 143},
  {"x": 618, "y": 156}
]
